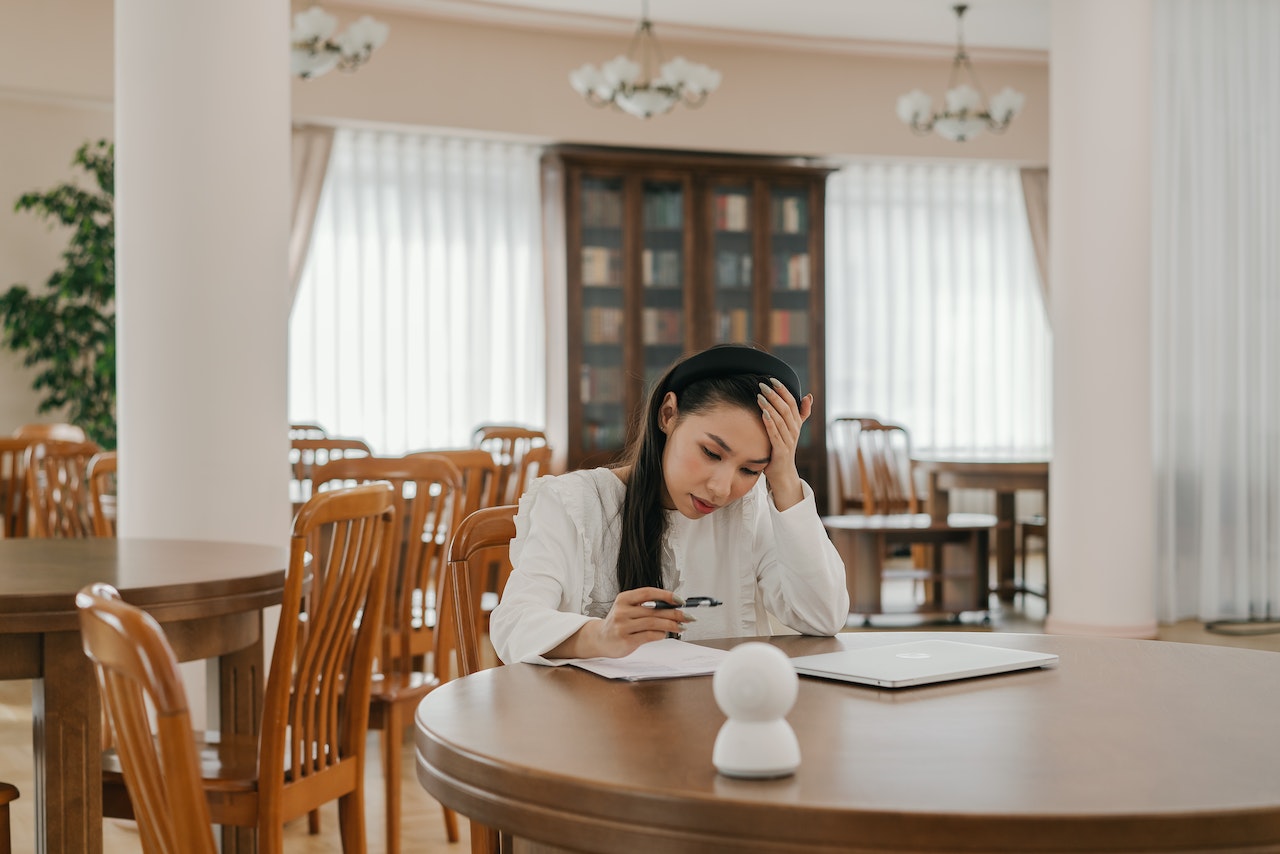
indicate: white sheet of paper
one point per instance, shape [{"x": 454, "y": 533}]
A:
[{"x": 664, "y": 659}]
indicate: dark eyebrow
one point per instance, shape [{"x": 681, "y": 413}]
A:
[{"x": 724, "y": 447}]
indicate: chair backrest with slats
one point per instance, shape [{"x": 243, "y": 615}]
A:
[
  {"x": 842, "y": 443},
  {"x": 884, "y": 464},
  {"x": 481, "y": 476},
  {"x": 136, "y": 667},
  {"x": 509, "y": 444},
  {"x": 101, "y": 474},
  {"x": 13, "y": 486},
  {"x": 307, "y": 431},
  {"x": 534, "y": 464},
  {"x": 481, "y": 539},
  {"x": 306, "y": 454},
  {"x": 58, "y": 431},
  {"x": 428, "y": 501},
  {"x": 57, "y": 489},
  {"x": 316, "y": 703}
]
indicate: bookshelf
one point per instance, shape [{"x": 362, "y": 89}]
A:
[{"x": 651, "y": 255}]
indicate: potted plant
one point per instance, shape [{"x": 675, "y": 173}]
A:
[{"x": 68, "y": 330}]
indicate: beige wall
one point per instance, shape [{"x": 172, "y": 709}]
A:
[{"x": 56, "y": 87}]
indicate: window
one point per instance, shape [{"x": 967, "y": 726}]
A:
[
  {"x": 934, "y": 313},
  {"x": 420, "y": 313}
]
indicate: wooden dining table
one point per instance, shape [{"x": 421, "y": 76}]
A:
[
  {"x": 208, "y": 596},
  {"x": 1125, "y": 745},
  {"x": 1005, "y": 475}
]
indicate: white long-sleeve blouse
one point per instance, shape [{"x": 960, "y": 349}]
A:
[{"x": 756, "y": 559}]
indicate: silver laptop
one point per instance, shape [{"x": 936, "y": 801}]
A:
[{"x": 901, "y": 665}]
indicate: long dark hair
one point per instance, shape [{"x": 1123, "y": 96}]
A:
[{"x": 643, "y": 520}]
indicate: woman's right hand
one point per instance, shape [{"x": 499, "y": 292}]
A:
[{"x": 626, "y": 627}]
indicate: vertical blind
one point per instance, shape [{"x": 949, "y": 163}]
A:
[
  {"x": 1216, "y": 308},
  {"x": 420, "y": 312},
  {"x": 935, "y": 318}
]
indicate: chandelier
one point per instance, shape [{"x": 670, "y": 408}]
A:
[
  {"x": 628, "y": 83},
  {"x": 316, "y": 50},
  {"x": 964, "y": 115}
]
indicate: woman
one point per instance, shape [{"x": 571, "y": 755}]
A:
[{"x": 708, "y": 502}]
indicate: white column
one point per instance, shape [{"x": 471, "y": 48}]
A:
[
  {"x": 202, "y": 208},
  {"x": 1102, "y": 501}
]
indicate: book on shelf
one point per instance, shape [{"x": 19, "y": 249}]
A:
[
  {"x": 733, "y": 325},
  {"x": 733, "y": 212},
  {"x": 788, "y": 327},
  {"x": 601, "y": 384},
  {"x": 601, "y": 206},
  {"x": 603, "y": 325},
  {"x": 662, "y": 326},
  {"x": 601, "y": 266},
  {"x": 664, "y": 208},
  {"x": 790, "y": 215},
  {"x": 791, "y": 272},
  {"x": 660, "y": 268},
  {"x": 733, "y": 269}
]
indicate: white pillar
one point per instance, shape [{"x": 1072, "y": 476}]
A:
[
  {"x": 1102, "y": 500},
  {"x": 202, "y": 226}
]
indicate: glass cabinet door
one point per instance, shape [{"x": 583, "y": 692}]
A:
[
  {"x": 731, "y": 264},
  {"x": 602, "y": 388},
  {"x": 791, "y": 267},
  {"x": 662, "y": 276}
]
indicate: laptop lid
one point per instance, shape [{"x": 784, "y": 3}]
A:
[{"x": 901, "y": 665}]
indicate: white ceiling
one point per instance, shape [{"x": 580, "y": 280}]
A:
[{"x": 1017, "y": 25}]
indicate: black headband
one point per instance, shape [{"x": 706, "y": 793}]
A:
[{"x": 726, "y": 360}]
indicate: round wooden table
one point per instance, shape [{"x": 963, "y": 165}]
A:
[
  {"x": 208, "y": 596},
  {"x": 1125, "y": 746}
]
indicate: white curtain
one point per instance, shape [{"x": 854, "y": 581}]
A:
[
  {"x": 419, "y": 315},
  {"x": 1216, "y": 307},
  {"x": 935, "y": 318}
]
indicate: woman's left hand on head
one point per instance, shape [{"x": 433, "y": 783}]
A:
[{"x": 783, "y": 417}]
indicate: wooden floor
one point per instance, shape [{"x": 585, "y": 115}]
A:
[{"x": 423, "y": 831}]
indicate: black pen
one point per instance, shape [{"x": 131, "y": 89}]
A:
[{"x": 691, "y": 602}]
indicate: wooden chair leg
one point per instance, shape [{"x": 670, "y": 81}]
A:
[
  {"x": 351, "y": 823},
  {"x": 484, "y": 839},
  {"x": 450, "y": 823},
  {"x": 313, "y": 822},
  {"x": 392, "y": 733},
  {"x": 270, "y": 835}
]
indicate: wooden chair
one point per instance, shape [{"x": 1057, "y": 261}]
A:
[
  {"x": 59, "y": 431},
  {"x": 482, "y": 487},
  {"x": 311, "y": 748},
  {"x": 481, "y": 476},
  {"x": 101, "y": 474},
  {"x": 306, "y": 454},
  {"x": 884, "y": 469},
  {"x": 57, "y": 492},
  {"x": 428, "y": 499},
  {"x": 509, "y": 444},
  {"x": 842, "y": 440},
  {"x": 483, "y": 537},
  {"x": 13, "y": 486},
  {"x": 137, "y": 668},
  {"x": 8, "y": 792}
]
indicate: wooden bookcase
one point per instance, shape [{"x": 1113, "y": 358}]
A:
[{"x": 652, "y": 255}]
